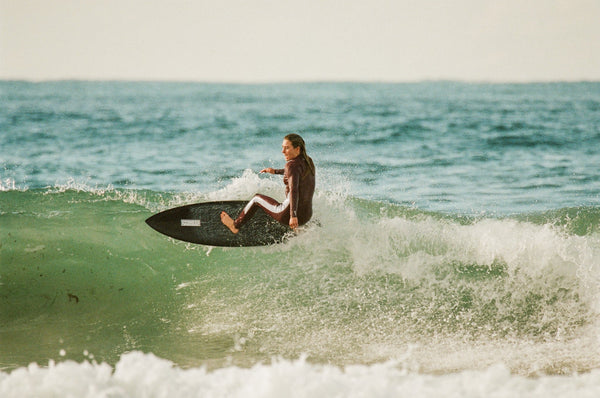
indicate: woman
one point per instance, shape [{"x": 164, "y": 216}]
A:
[{"x": 299, "y": 180}]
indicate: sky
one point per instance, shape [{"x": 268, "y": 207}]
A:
[{"x": 300, "y": 40}]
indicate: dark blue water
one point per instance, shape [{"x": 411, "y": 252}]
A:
[{"x": 453, "y": 147}]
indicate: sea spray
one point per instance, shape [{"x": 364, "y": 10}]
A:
[{"x": 142, "y": 375}]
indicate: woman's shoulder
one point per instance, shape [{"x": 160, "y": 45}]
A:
[{"x": 295, "y": 164}]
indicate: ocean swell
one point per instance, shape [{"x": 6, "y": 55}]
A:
[{"x": 362, "y": 284}]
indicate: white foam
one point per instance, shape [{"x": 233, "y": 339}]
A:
[
  {"x": 9, "y": 184},
  {"x": 145, "y": 375},
  {"x": 411, "y": 246},
  {"x": 249, "y": 184}
]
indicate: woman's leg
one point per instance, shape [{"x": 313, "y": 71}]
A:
[{"x": 279, "y": 211}]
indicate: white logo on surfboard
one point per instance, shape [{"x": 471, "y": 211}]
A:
[{"x": 190, "y": 223}]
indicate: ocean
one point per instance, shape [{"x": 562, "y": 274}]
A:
[{"x": 456, "y": 253}]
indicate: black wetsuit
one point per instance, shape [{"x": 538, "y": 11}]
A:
[{"x": 299, "y": 189}]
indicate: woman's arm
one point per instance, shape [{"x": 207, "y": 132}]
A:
[
  {"x": 293, "y": 182},
  {"x": 271, "y": 170}
]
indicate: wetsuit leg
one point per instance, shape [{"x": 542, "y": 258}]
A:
[{"x": 279, "y": 211}]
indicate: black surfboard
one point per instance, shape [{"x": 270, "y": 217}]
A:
[{"x": 201, "y": 223}]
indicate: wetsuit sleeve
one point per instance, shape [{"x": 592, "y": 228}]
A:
[
  {"x": 278, "y": 171},
  {"x": 293, "y": 186}
]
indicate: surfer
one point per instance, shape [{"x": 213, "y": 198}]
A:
[{"x": 299, "y": 180}]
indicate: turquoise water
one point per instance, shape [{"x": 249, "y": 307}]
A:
[
  {"x": 458, "y": 240},
  {"x": 450, "y": 147}
]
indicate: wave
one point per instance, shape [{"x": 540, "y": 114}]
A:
[
  {"x": 142, "y": 375},
  {"x": 82, "y": 271}
]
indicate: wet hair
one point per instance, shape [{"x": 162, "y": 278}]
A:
[{"x": 296, "y": 142}]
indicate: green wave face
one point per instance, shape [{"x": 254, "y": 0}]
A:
[{"x": 82, "y": 275}]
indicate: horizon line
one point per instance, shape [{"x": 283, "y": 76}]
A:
[{"x": 301, "y": 81}]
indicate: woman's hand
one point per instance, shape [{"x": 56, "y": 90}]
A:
[
  {"x": 269, "y": 170},
  {"x": 294, "y": 222}
]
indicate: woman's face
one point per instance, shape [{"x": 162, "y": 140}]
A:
[{"x": 288, "y": 150}]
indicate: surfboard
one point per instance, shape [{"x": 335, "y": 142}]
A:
[{"x": 201, "y": 223}]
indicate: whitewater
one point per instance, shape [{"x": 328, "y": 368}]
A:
[{"x": 457, "y": 248}]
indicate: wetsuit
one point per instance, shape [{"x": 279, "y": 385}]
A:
[{"x": 299, "y": 189}]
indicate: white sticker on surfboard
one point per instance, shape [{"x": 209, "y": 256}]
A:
[{"x": 190, "y": 223}]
